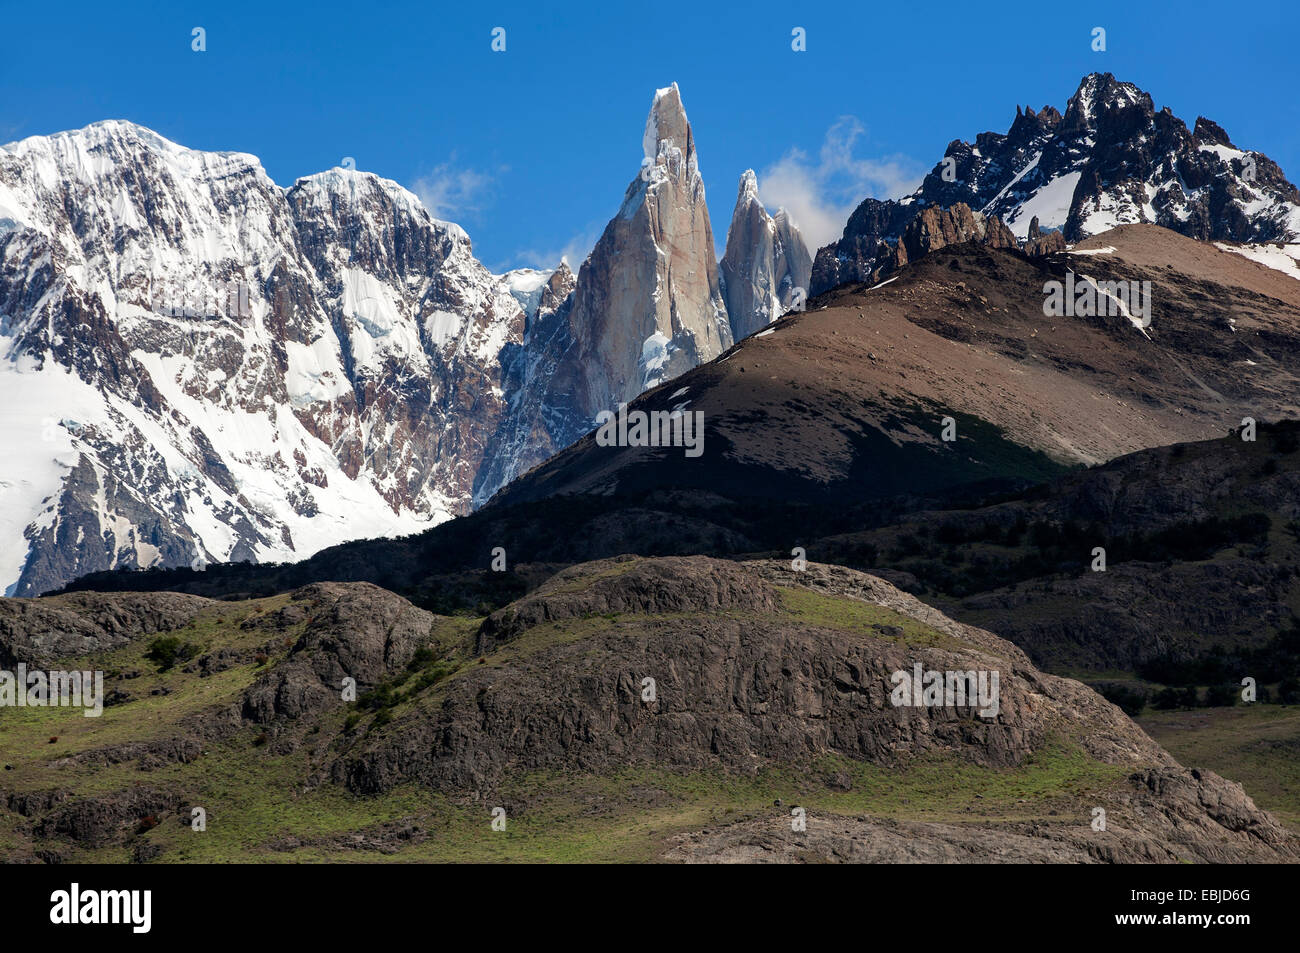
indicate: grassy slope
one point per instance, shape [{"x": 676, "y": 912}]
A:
[
  {"x": 1257, "y": 745},
  {"x": 259, "y": 810}
]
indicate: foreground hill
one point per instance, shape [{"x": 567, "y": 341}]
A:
[{"x": 771, "y": 691}]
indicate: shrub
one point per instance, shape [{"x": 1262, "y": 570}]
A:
[
  {"x": 1221, "y": 695},
  {"x": 167, "y": 651},
  {"x": 1131, "y": 699}
]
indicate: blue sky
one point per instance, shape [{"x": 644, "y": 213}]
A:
[{"x": 532, "y": 148}]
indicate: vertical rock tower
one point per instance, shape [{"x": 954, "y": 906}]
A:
[
  {"x": 766, "y": 260},
  {"x": 648, "y": 303}
]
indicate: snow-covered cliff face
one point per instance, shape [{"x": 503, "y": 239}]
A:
[
  {"x": 198, "y": 365},
  {"x": 1111, "y": 159},
  {"x": 765, "y": 262}
]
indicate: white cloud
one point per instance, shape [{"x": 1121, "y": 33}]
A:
[
  {"x": 451, "y": 193},
  {"x": 820, "y": 195},
  {"x": 574, "y": 251}
]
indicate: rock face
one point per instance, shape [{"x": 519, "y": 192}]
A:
[
  {"x": 765, "y": 262},
  {"x": 1110, "y": 160},
  {"x": 647, "y": 305}
]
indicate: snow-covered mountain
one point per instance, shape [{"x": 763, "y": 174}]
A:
[
  {"x": 1110, "y": 160},
  {"x": 198, "y": 365}
]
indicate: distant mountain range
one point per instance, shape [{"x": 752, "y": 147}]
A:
[
  {"x": 200, "y": 366},
  {"x": 631, "y": 650}
]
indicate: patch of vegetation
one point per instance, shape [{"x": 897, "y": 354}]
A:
[
  {"x": 167, "y": 651},
  {"x": 1274, "y": 666},
  {"x": 864, "y": 618}
]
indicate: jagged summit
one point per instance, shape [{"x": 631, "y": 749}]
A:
[
  {"x": 646, "y": 306},
  {"x": 1111, "y": 159},
  {"x": 666, "y": 126}
]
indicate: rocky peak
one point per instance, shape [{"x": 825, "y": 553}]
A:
[
  {"x": 645, "y": 306},
  {"x": 1100, "y": 95},
  {"x": 765, "y": 261},
  {"x": 648, "y": 302},
  {"x": 558, "y": 287},
  {"x": 1209, "y": 132},
  {"x": 1110, "y": 160},
  {"x": 667, "y": 130}
]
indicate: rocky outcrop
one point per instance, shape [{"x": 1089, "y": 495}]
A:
[
  {"x": 711, "y": 670},
  {"x": 766, "y": 265},
  {"x": 1160, "y": 816},
  {"x": 631, "y": 586},
  {"x": 932, "y": 228},
  {"x": 1039, "y": 243},
  {"x": 86, "y": 623},
  {"x": 739, "y": 682},
  {"x": 353, "y": 630}
]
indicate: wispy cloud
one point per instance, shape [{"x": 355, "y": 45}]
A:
[
  {"x": 821, "y": 193},
  {"x": 453, "y": 193},
  {"x": 574, "y": 251}
]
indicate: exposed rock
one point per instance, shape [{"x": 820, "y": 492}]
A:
[
  {"x": 356, "y": 631},
  {"x": 38, "y": 632},
  {"x": 734, "y": 687},
  {"x": 1165, "y": 815},
  {"x": 1110, "y": 160},
  {"x": 754, "y": 666},
  {"x": 647, "y": 305},
  {"x": 765, "y": 261}
]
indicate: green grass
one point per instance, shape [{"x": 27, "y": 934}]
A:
[
  {"x": 255, "y": 796},
  {"x": 254, "y": 799},
  {"x": 1255, "y": 745},
  {"x": 852, "y": 615}
]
